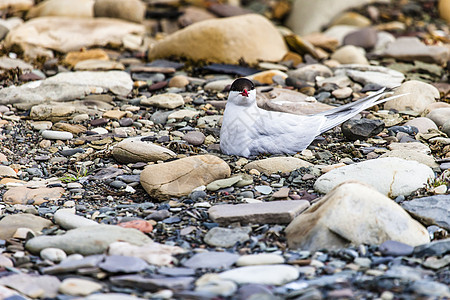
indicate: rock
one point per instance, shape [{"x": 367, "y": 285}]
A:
[
  {"x": 342, "y": 93},
  {"x": 350, "y": 54},
  {"x": 311, "y": 16},
  {"x": 10, "y": 223},
  {"x": 123, "y": 264},
  {"x": 423, "y": 124},
  {"x": 7, "y": 63},
  {"x": 16, "y": 5},
  {"x": 195, "y": 138},
  {"x": 267, "y": 274},
  {"x": 33, "y": 286},
  {"x": 213, "y": 284},
  {"x": 98, "y": 65},
  {"x": 211, "y": 260},
  {"x": 444, "y": 10},
  {"x": 391, "y": 176},
  {"x": 273, "y": 212},
  {"x": 371, "y": 218},
  {"x": 322, "y": 41},
  {"x": 130, "y": 10},
  {"x": 224, "y": 183},
  {"x": 53, "y": 254},
  {"x": 365, "y": 38},
  {"x": 365, "y": 74},
  {"x": 352, "y": 19},
  {"x": 310, "y": 72},
  {"x": 25, "y": 195},
  {"x": 394, "y": 248},
  {"x": 412, "y": 155},
  {"x": 62, "y": 8},
  {"x": 57, "y": 135},
  {"x": 436, "y": 248},
  {"x": 277, "y": 164},
  {"x": 136, "y": 149},
  {"x": 411, "y": 49},
  {"x": 361, "y": 129},
  {"x": 439, "y": 116},
  {"x": 225, "y": 238},
  {"x": 152, "y": 284},
  {"x": 142, "y": 225},
  {"x": 430, "y": 288},
  {"x": 178, "y": 81},
  {"x": 6, "y": 171},
  {"x": 88, "y": 240},
  {"x": 419, "y": 96},
  {"x": 260, "y": 259},
  {"x": 74, "y": 57},
  {"x": 152, "y": 253},
  {"x": 194, "y": 42},
  {"x": 434, "y": 210},
  {"x": 168, "y": 100},
  {"x": 79, "y": 287},
  {"x": 68, "y": 220},
  {"x": 180, "y": 177},
  {"x": 62, "y": 34}
]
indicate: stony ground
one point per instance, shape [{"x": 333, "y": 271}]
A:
[{"x": 112, "y": 181}]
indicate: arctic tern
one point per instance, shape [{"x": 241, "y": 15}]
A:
[{"x": 249, "y": 130}]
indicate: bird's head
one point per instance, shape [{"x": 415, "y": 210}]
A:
[{"x": 242, "y": 92}]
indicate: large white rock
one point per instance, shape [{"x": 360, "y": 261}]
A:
[
  {"x": 391, "y": 176},
  {"x": 250, "y": 37},
  {"x": 354, "y": 213}
]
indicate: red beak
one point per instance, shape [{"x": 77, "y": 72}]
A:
[{"x": 245, "y": 93}]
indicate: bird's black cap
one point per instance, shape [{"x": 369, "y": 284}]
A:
[{"x": 242, "y": 84}]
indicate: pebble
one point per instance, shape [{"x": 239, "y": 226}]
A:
[
  {"x": 266, "y": 274},
  {"x": 78, "y": 287},
  {"x": 56, "y": 135},
  {"x": 53, "y": 254}
]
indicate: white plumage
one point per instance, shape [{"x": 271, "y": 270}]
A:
[{"x": 249, "y": 130}]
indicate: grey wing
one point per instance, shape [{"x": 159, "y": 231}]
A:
[{"x": 284, "y": 133}]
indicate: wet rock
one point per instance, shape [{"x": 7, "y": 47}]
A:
[
  {"x": 439, "y": 116},
  {"x": 69, "y": 36},
  {"x": 152, "y": 253},
  {"x": 67, "y": 219},
  {"x": 211, "y": 260},
  {"x": 25, "y": 195},
  {"x": 371, "y": 218},
  {"x": 136, "y": 149},
  {"x": 411, "y": 49},
  {"x": 193, "y": 42},
  {"x": 133, "y": 10},
  {"x": 267, "y": 274},
  {"x": 78, "y": 287},
  {"x": 277, "y": 164},
  {"x": 419, "y": 96},
  {"x": 123, "y": 264},
  {"x": 224, "y": 237},
  {"x": 390, "y": 176},
  {"x": 273, "y": 212},
  {"x": 168, "y": 100},
  {"x": 33, "y": 286},
  {"x": 361, "y": 129},
  {"x": 9, "y": 224},
  {"x": 430, "y": 210},
  {"x": 180, "y": 177},
  {"x": 88, "y": 240},
  {"x": 350, "y": 55}
]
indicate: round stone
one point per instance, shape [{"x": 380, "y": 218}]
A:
[{"x": 195, "y": 138}]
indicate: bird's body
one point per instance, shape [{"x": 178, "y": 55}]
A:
[{"x": 249, "y": 130}]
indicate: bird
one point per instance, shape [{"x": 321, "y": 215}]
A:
[{"x": 248, "y": 130}]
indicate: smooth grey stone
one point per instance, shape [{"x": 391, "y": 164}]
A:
[
  {"x": 57, "y": 135},
  {"x": 433, "y": 210},
  {"x": 123, "y": 264},
  {"x": 394, "y": 248},
  {"x": 152, "y": 284},
  {"x": 212, "y": 260}
]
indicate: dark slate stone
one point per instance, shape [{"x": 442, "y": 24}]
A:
[
  {"x": 436, "y": 248},
  {"x": 230, "y": 69},
  {"x": 70, "y": 152},
  {"x": 406, "y": 129},
  {"x": 99, "y": 122},
  {"x": 434, "y": 210},
  {"x": 361, "y": 129},
  {"x": 107, "y": 173}
]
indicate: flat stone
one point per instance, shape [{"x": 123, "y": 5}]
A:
[
  {"x": 88, "y": 240},
  {"x": 152, "y": 284},
  {"x": 370, "y": 218},
  {"x": 123, "y": 264},
  {"x": 434, "y": 210},
  {"x": 418, "y": 147},
  {"x": 6, "y": 171},
  {"x": 10, "y": 223},
  {"x": 57, "y": 135},
  {"x": 310, "y": 72},
  {"x": 273, "y": 212},
  {"x": 223, "y": 183},
  {"x": 184, "y": 114},
  {"x": 114, "y": 114},
  {"x": 267, "y": 274},
  {"x": 226, "y": 237},
  {"x": 136, "y": 149},
  {"x": 79, "y": 287},
  {"x": 168, "y": 100},
  {"x": 211, "y": 260},
  {"x": 277, "y": 164},
  {"x": 260, "y": 259},
  {"x": 7, "y": 63},
  {"x": 367, "y": 74},
  {"x": 98, "y": 65},
  {"x": 436, "y": 248},
  {"x": 394, "y": 248},
  {"x": 281, "y": 193},
  {"x": 67, "y": 219},
  {"x": 195, "y": 138},
  {"x": 423, "y": 124},
  {"x": 33, "y": 286},
  {"x": 390, "y": 175},
  {"x": 25, "y": 195},
  {"x": 72, "y": 265}
]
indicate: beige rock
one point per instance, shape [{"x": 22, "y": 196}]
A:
[
  {"x": 66, "y": 34},
  {"x": 435, "y": 105},
  {"x": 74, "y": 57},
  {"x": 179, "y": 81},
  {"x": 79, "y": 287},
  {"x": 10, "y": 223},
  {"x": 277, "y": 164},
  {"x": 167, "y": 100},
  {"x": 52, "y": 112},
  {"x": 440, "y": 116},
  {"x": 265, "y": 77},
  {"x": 412, "y": 155},
  {"x": 25, "y": 195},
  {"x": 16, "y": 5},
  {"x": 419, "y": 96},
  {"x": 183, "y": 113},
  {"x": 423, "y": 124},
  {"x": 130, "y": 10},
  {"x": 6, "y": 171},
  {"x": 63, "y": 8},
  {"x": 322, "y": 41},
  {"x": 72, "y": 128},
  {"x": 417, "y": 147},
  {"x": 114, "y": 114},
  {"x": 350, "y": 54},
  {"x": 224, "y": 41},
  {"x": 351, "y": 18},
  {"x": 98, "y": 65},
  {"x": 370, "y": 218},
  {"x": 180, "y": 177},
  {"x": 444, "y": 10},
  {"x": 153, "y": 253},
  {"x": 134, "y": 150}
]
